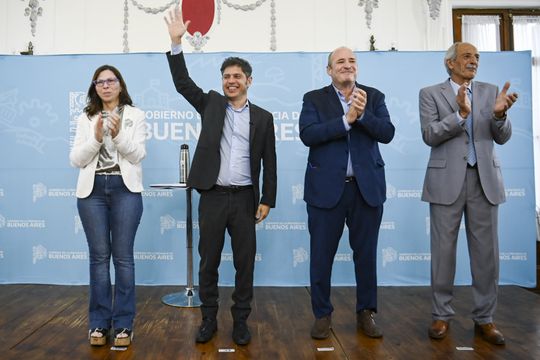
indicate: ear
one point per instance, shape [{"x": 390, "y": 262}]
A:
[
  {"x": 450, "y": 64},
  {"x": 249, "y": 81},
  {"x": 328, "y": 69}
]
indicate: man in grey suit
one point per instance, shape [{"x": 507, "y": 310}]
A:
[{"x": 461, "y": 120}]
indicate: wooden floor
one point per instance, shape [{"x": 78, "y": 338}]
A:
[{"x": 50, "y": 322}]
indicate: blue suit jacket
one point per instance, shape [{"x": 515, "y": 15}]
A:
[{"x": 322, "y": 130}]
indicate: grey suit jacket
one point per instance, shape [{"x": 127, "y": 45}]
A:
[{"x": 446, "y": 134}]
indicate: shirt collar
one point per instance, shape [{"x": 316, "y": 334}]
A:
[
  {"x": 242, "y": 108},
  {"x": 456, "y": 87},
  {"x": 341, "y": 96}
]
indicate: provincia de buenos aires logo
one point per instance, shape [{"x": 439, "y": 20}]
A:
[
  {"x": 167, "y": 222},
  {"x": 22, "y": 223},
  {"x": 40, "y": 190},
  {"x": 390, "y": 255},
  {"x": 40, "y": 252}
]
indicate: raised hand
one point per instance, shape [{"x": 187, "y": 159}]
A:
[
  {"x": 504, "y": 101},
  {"x": 463, "y": 101},
  {"x": 175, "y": 24}
]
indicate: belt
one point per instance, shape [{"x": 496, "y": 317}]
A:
[
  {"x": 349, "y": 178},
  {"x": 109, "y": 173},
  {"x": 232, "y": 188},
  {"x": 471, "y": 166}
]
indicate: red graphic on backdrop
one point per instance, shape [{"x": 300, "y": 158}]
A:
[{"x": 201, "y": 14}]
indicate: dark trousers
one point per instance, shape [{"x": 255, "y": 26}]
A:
[
  {"x": 325, "y": 228},
  {"x": 221, "y": 210}
]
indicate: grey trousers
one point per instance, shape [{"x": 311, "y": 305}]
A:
[{"x": 481, "y": 221}]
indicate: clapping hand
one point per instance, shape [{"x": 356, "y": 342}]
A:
[
  {"x": 358, "y": 105},
  {"x": 463, "y": 100},
  {"x": 98, "y": 129},
  {"x": 504, "y": 101},
  {"x": 114, "y": 123}
]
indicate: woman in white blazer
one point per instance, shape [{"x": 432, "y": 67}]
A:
[{"x": 108, "y": 149}]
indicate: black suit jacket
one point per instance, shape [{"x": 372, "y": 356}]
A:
[{"x": 206, "y": 161}]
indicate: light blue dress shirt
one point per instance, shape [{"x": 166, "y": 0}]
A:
[
  {"x": 176, "y": 49},
  {"x": 235, "y": 168},
  {"x": 346, "y": 105}
]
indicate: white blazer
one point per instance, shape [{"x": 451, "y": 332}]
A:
[{"x": 129, "y": 143}]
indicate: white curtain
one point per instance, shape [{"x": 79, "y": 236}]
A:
[
  {"x": 482, "y": 31},
  {"x": 527, "y": 37}
]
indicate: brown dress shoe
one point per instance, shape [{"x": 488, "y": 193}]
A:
[
  {"x": 490, "y": 333},
  {"x": 321, "y": 328},
  {"x": 438, "y": 329},
  {"x": 365, "y": 321}
]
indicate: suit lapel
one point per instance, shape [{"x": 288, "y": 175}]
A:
[
  {"x": 333, "y": 100},
  {"x": 448, "y": 94},
  {"x": 252, "y": 123}
]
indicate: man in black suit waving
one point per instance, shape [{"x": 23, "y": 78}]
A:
[{"x": 236, "y": 137}]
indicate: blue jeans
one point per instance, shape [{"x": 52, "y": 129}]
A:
[{"x": 110, "y": 217}]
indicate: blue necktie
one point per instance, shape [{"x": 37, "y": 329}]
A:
[{"x": 471, "y": 154}]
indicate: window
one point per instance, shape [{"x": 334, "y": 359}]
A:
[{"x": 505, "y": 26}]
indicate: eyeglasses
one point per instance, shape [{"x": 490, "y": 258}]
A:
[{"x": 109, "y": 82}]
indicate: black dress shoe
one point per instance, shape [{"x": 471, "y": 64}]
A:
[
  {"x": 321, "y": 328},
  {"x": 207, "y": 329},
  {"x": 240, "y": 334},
  {"x": 365, "y": 321}
]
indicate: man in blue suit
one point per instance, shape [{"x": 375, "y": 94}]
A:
[{"x": 342, "y": 124}]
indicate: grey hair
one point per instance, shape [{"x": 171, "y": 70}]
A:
[
  {"x": 330, "y": 58},
  {"x": 451, "y": 54}
]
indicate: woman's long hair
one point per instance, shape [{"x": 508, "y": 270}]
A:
[{"x": 94, "y": 103}]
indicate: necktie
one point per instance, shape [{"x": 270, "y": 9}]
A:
[{"x": 471, "y": 154}]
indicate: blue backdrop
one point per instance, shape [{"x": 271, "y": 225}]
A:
[{"x": 41, "y": 237}]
